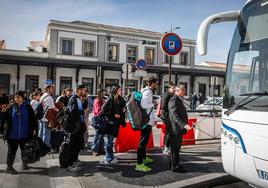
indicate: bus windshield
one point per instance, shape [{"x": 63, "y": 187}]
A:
[{"x": 247, "y": 66}]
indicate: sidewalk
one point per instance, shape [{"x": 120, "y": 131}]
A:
[{"x": 203, "y": 164}]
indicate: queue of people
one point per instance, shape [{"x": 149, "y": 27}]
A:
[{"x": 19, "y": 122}]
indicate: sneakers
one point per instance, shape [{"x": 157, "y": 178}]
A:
[
  {"x": 166, "y": 151},
  {"x": 74, "y": 168},
  {"x": 24, "y": 167},
  {"x": 142, "y": 168},
  {"x": 148, "y": 160},
  {"x": 114, "y": 161},
  {"x": 78, "y": 163},
  {"x": 11, "y": 170}
]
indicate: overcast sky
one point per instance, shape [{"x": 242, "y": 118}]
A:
[{"x": 24, "y": 20}]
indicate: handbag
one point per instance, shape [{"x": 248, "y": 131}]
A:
[{"x": 100, "y": 123}]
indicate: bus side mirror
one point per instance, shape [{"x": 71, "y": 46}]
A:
[{"x": 202, "y": 35}]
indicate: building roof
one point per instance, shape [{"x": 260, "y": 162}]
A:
[
  {"x": 109, "y": 29},
  {"x": 35, "y": 44}
]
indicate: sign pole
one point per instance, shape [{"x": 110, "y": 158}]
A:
[
  {"x": 126, "y": 84},
  {"x": 169, "y": 69}
]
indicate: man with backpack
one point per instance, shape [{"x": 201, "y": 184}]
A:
[
  {"x": 48, "y": 104},
  {"x": 76, "y": 128},
  {"x": 148, "y": 105},
  {"x": 165, "y": 117}
]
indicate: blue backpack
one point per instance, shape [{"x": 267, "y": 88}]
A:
[{"x": 137, "y": 116}]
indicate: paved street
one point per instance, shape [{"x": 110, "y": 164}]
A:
[{"x": 202, "y": 162}]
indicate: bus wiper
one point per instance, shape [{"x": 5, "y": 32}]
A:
[{"x": 241, "y": 104}]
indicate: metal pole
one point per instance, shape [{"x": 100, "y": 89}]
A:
[
  {"x": 126, "y": 84},
  {"x": 169, "y": 69}
]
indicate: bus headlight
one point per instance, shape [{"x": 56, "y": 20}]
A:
[
  {"x": 231, "y": 137},
  {"x": 236, "y": 140}
]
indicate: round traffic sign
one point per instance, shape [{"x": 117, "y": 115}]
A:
[
  {"x": 171, "y": 44},
  {"x": 126, "y": 67},
  {"x": 141, "y": 64}
]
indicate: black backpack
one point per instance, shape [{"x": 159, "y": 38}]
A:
[
  {"x": 63, "y": 152},
  {"x": 40, "y": 111}
]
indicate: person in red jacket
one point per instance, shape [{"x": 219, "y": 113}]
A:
[{"x": 98, "y": 142}]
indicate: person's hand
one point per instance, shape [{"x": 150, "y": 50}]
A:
[
  {"x": 187, "y": 127},
  {"x": 117, "y": 116},
  {"x": 4, "y": 107},
  {"x": 34, "y": 132}
]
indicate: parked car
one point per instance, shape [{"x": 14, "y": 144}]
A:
[{"x": 211, "y": 103}]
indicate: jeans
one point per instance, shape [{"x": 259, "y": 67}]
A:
[
  {"x": 109, "y": 148},
  {"x": 98, "y": 143},
  {"x": 44, "y": 133}
]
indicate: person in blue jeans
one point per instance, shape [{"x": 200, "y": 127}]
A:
[
  {"x": 114, "y": 109},
  {"x": 98, "y": 141},
  {"x": 48, "y": 104}
]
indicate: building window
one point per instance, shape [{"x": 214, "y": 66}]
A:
[
  {"x": 109, "y": 83},
  {"x": 5, "y": 82},
  {"x": 88, "y": 82},
  {"x": 67, "y": 46},
  {"x": 31, "y": 83},
  {"x": 149, "y": 56},
  {"x": 88, "y": 48},
  {"x": 131, "y": 85},
  {"x": 184, "y": 58},
  {"x": 113, "y": 52},
  {"x": 166, "y": 84},
  {"x": 131, "y": 54},
  {"x": 65, "y": 82}
]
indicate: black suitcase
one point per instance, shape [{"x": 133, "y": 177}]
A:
[{"x": 63, "y": 152}]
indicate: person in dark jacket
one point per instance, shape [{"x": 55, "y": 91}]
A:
[
  {"x": 114, "y": 109},
  {"x": 179, "y": 118},
  {"x": 165, "y": 117},
  {"x": 20, "y": 124},
  {"x": 4, "y": 101},
  {"x": 76, "y": 128}
]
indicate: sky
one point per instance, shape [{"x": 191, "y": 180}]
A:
[{"x": 22, "y": 21}]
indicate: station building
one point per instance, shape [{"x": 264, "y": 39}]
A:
[{"x": 93, "y": 54}]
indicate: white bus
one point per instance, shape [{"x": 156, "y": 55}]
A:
[{"x": 244, "y": 140}]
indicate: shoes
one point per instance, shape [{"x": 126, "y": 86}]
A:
[
  {"x": 114, "y": 161},
  {"x": 74, "y": 168},
  {"x": 95, "y": 153},
  {"x": 179, "y": 169},
  {"x": 11, "y": 170},
  {"x": 78, "y": 162},
  {"x": 142, "y": 168},
  {"x": 24, "y": 167},
  {"x": 148, "y": 160},
  {"x": 166, "y": 151}
]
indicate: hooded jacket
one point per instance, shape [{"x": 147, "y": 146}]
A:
[{"x": 147, "y": 103}]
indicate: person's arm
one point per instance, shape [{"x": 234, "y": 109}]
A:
[
  {"x": 146, "y": 101},
  {"x": 173, "y": 106},
  {"x": 106, "y": 107}
]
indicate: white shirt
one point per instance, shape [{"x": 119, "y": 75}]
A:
[
  {"x": 147, "y": 103},
  {"x": 48, "y": 103},
  {"x": 34, "y": 104}
]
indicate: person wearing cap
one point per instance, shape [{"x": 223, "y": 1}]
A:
[
  {"x": 48, "y": 104},
  {"x": 20, "y": 124},
  {"x": 76, "y": 128}
]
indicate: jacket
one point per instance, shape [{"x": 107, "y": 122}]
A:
[
  {"x": 32, "y": 121},
  {"x": 75, "y": 117},
  {"x": 147, "y": 103},
  {"x": 112, "y": 107},
  {"x": 177, "y": 115},
  {"x": 164, "y": 105}
]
